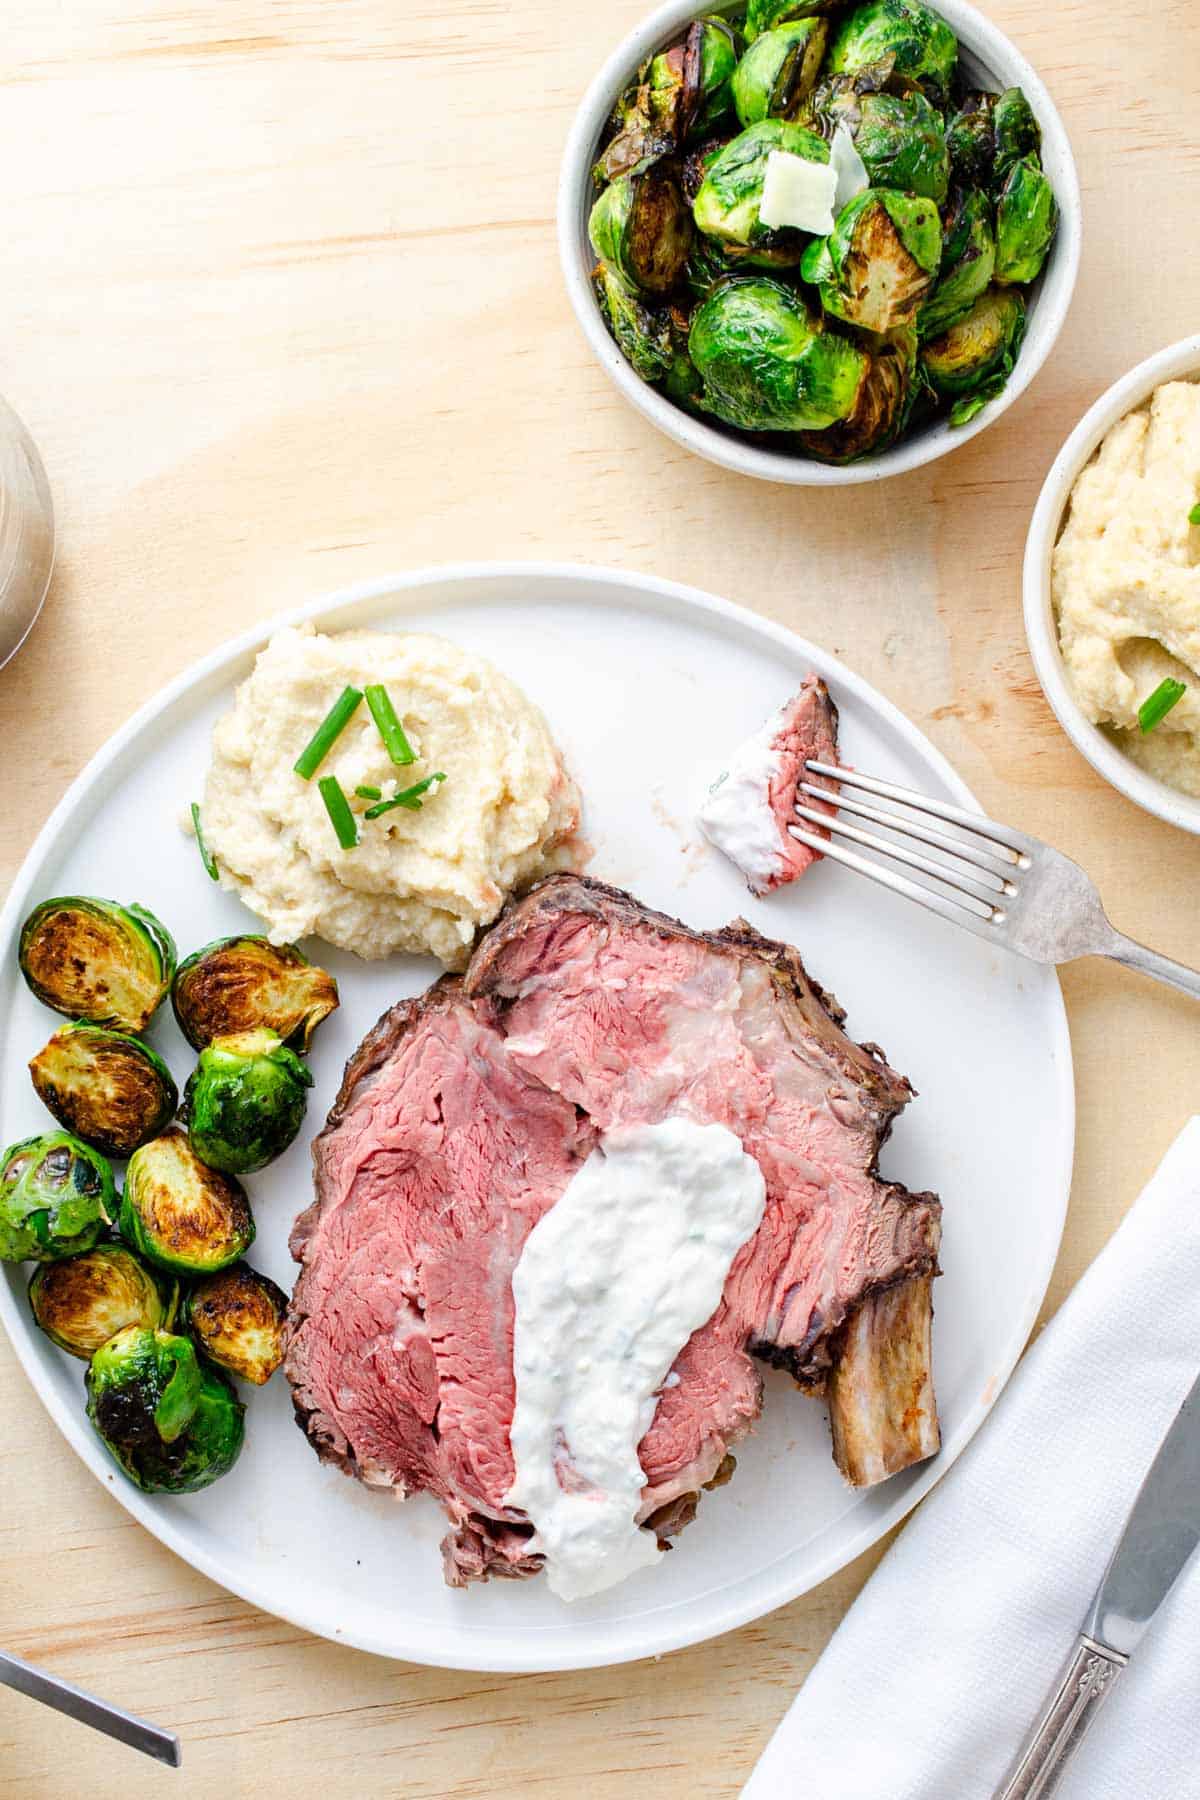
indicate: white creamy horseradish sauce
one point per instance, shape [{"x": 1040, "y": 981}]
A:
[
  {"x": 736, "y": 815},
  {"x": 610, "y": 1285}
]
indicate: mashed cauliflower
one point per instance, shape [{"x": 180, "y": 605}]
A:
[
  {"x": 417, "y": 881},
  {"x": 1126, "y": 582}
]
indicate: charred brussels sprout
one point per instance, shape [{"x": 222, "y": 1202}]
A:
[
  {"x": 766, "y": 364},
  {"x": 764, "y": 15},
  {"x": 57, "y": 1196},
  {"x": 970, "y": 140},
  {"x": 173, "y": 1425},
  {"x": 922, "y": 45},
  {"x": 180, "y": 1214},
  {"x": 880, "y": 410},
  {"x": 968, "y": 259},
  {"x": 726, "y": 208},
  {"x": 973, "y": 359},
  {"x": 245, "y": 1101},
  {"x": 240, "y": 983},
  {"x": 1015, "y": 131},
  {"x": 642, "y": 332},
  {"x": 1026, "y": 220},
  {"x": 642, "y": 228},
  {"x": 109, "y": 1088},
  {"x": 238, "y": 1318},
  {"x": 95, "y": 960},
  {"x": 777, "y": 73},
  {"x": 902, "y": 142},
  {"x": 879, "y": 261},
  {"x": 84, "y": 1300},
  {"x": 706, "y": 266}
]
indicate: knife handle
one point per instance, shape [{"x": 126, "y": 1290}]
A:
[{"x": 1088, "y": 1679}]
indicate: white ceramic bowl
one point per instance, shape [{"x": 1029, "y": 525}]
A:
[
  {"x": 1181, "y": 360},
  {"x": 993, "y": 62}
]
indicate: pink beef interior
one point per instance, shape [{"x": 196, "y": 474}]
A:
[
  {"x": 462, "y": 1118},
  {"x": 807, "y": 732}
]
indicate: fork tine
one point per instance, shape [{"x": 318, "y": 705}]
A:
[
  {"x": 939, "y": 809},
  {"x": 955, "y": 879},
  {"x": 983, "y": 859},
  {"x": 968, "y": 913}
]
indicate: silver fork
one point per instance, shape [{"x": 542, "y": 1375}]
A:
[{"x": 999, "y": 883}]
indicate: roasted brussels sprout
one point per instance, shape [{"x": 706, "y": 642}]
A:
[
  {"x": 922, "y": 45},
  {"x": 238, "y": 1318},
  {"x": 57, "y": 1196},
  {"x": 1015, "y": 131},
  {"x": 710, "y": 56},
  {"x": 642, "y": 228},
  {"x": 706, "y": 265},
  {"x": 902, "y": 142},
  {"x": 777, "y": 73},
  {"x": 764, "y": 15},
  {"x": 682, "y": 382},
  {"x": 1026, "y": 220},
  {"x": 245, "y": 1100},
  {"x": 240, "y": 983},
  {"x": 173, "y": 1425},
  {"x": 108, "y": 1087},
  {"x": 726, "y": 208},
  {"x": 642, "y": 332},
  {"x": 880, "y": 409},
  {"x": 95, "y": 960},
  {"x": 968, "y": 258},
  {"x": 641, "y": 129},
  {"x": 180, "y": 1214},
  {"x": 974, "y": 358},
  {"x": 971, "y": 140},
  {"x": 765, "y": 362},
  {"x": 879, "y": 261},
  {"x": 84, "y": 1300}
]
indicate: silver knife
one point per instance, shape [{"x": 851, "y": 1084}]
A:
[
  {"x": 1159, "y": 1536},
  {"x": 51, "y": 1690}
]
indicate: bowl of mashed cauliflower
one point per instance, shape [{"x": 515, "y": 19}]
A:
[{"x": 1112, "y": 585}]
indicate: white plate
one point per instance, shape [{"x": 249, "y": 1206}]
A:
[{"x": 644, "y": 683}]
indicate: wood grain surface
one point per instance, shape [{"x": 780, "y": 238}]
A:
[{"x": 282, "y": 309}]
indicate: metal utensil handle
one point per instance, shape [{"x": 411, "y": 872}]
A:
[
  {"x": 127, "y": 1728},
  {"x": 1148, "y": 962},
  {"x": 1087, "y": 1681}
]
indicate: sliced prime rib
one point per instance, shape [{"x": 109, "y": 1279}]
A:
[{"x": 460, "y": 1121}]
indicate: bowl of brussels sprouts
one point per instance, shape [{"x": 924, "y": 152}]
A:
[{"x": 819, "y": 242}]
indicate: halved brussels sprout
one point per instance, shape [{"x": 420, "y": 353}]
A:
[
  {"x": 902, "y": 142},
  {"x": 981, "y": 346},
  {"x": 57, "y": 1196},
  {"x": 682, "y": 382},
  {"x": 766, "y": 363},
  {"x": 695, "y": 167},
  {"x": 641, "y": 226},
  {"x": 879, "y": 261},
  {"x": 642, "y": 332},
  {"x": 726, "y": 208},
  {"x": 240, "y": 983},
  {"x": 173, "y": 1425},
  {"x": 922, "y": 44},
  {"x": 109, "y": 1088},
  {"x": 706, "y": 265},
  {"x": 764, "y": 15},
  {"x": 238, "y": 1319},
  {"x": 971, "y": 140},
  {"x": 1015, "y": 130},
  {"x": 968, "y": 259},
  {"x": 777, "y": 73},
  {"x": 641, "y": 129},
  {"x": 245, "y": 1100},
  {"x": 880, "y": 411},
  {"x": 179, "y": 1213},
  {"x": 1026, "y": 221},
  {"x": 84, "y": 1300},
  {"x": 710, "y": 56},
  {"x": 97, "y": 961}
]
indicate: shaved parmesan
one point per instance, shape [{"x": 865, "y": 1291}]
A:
[
  {"x": 798, "y": 193},
  {"x": 849, "y": 167}
]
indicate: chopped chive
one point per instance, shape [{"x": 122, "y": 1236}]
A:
[
  {"x": 410, "y": 798},
  {"x": 1194, "y": 515},
  {"x": 338, "y": 808},
  {"x": 390, "y": 728},
  {"x": 369, "y": 793},
  {"x": 327, "y": 733},
  {"x": 1153, "y": 711},
  {"x": 206, "y": 855}
]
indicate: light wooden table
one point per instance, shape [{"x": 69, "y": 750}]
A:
[{"x": 282, "y": 308}]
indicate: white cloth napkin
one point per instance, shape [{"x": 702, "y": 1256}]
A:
[{"x": 948, "y": 1654}]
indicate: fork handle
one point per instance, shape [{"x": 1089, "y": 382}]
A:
[{"x": 1148, "y": 962}]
